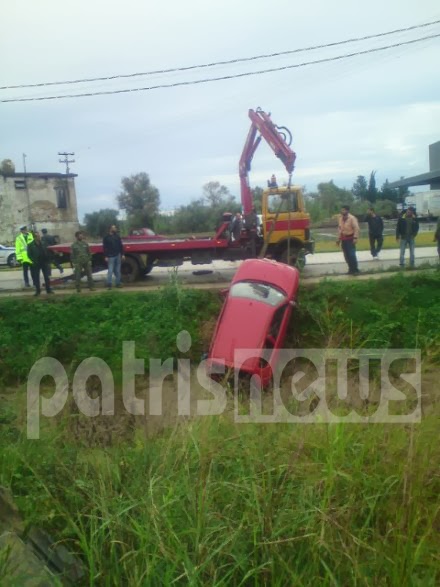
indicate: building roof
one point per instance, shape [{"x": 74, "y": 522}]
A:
[
  {"x": 42, "y": 174},
  {"x": 422, "y": 179}
]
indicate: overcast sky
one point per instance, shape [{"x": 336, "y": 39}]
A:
[{"x": 377, "y": 111}]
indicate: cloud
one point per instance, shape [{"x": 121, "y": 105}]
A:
[{"x": 377, "y": 111}]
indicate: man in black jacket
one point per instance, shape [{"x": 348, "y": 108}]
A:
[
  {"x": 39, "y": 257},
  {"x": 375, "y": 232},
  {"x": 113, "y": 253},
  {"x": 49, "y": 240},
  {"x": 406, "y": 231}
]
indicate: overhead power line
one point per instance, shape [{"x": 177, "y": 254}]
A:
[
  {"x": 216, "y": 63},
  {"x": 224, "y": 77}
]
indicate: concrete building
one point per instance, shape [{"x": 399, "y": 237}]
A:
[
  {"x": 431, "y": 177},
  {"x": 40, "y": 200}
]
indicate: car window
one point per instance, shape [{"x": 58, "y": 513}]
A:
[{"x": 254, "y": 290}]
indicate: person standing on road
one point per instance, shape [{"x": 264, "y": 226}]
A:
[
  {"x": 437, "y": 237},
  {"x": 348, "y": 234},
  {"x": 81, "y": 261},
  {"x": 406, "y": 231},
  {"x": 40, "y": 262},
  {"x": 236, "y": 226},
  {"x": 375, "y": 232},
  {"x": 252, "y": 223},
  {"x": 113, "y": 253},
  {"x": 21, "y": 253},
  {"x": 48, "y": 240}
]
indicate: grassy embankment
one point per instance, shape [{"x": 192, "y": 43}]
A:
[
  {"x": 212, "y": 502},
  {"x": 424, "y": 239}
]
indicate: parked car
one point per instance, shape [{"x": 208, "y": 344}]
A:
[
  {"x": 7, "y": 256},
  {"x": 255, "y": 315}
]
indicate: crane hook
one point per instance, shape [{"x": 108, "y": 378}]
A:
[{"x": 285, "y": 133}]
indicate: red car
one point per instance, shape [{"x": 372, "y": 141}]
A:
[{"x": 255, "y": 316}]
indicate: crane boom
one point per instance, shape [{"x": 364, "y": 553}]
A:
[{"x": 278, "y": 138}]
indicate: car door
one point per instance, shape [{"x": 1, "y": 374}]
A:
[{"x": 3, "y": 255}]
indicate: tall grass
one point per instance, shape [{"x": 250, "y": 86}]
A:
[
  {"x": 211, "y": 502},
  {"x": 215, "y": 503}
]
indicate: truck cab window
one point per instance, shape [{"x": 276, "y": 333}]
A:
[{"x": 288, "y": 202}]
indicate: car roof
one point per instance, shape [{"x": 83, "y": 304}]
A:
[{"x": 267, "y": 271}]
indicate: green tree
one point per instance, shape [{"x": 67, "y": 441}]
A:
[
  {"x": 204, "y": 214},
  {"x": 140, "y": 199},
  {"x": 387, "y": 193},
  {"x": 332, "y": 197},
  {"x": 97, "y": 223},
  {"x": 372, "y": 189},
  {"x": 257, "y": 195},
  {"x": 386, "y": 208},
  {"x": 7, "y": 167},
  {"x": 215, "y": 193},
  {"x": 360, "y": 188}
]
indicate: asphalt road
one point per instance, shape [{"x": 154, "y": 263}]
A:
[{"x": 221, "y": 272}]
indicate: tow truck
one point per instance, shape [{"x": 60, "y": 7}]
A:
[{"x": 285, "y": 234}]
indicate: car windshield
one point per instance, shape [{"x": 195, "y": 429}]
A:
[{"x": 254, "y": 290}]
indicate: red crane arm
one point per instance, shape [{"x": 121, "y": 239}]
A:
[{"x": 262, "y": 123}]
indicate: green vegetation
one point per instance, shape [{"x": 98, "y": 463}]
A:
[
  {"x": 140, "y": 200},
  {"x": 210, "y": 502},
  {"x": 74, "y": 328},
  {"x": 423, "y": 239}
]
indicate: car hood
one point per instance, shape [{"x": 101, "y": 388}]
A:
[{"x": 243, "y": 325}]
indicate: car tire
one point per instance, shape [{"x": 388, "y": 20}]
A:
[{"x": 12, "y": 260}]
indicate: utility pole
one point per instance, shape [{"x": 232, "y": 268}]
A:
[
  {"x": 30, "y": 219},
  {"x": 66, "y": 160}
]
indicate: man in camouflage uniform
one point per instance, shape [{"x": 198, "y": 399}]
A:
[
  {"x": 81, "y": 260},
  {"x": 47, "y": 241}
]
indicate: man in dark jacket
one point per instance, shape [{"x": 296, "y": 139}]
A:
[
  {"x": 236, "y": 226},
  {"x": 39, "y": 257},
  {"x": 48, "y": 240},
  {"x": 406, "y": 231},
  {"x": 375, "y": 232},
  {"x": 113, "y": 253}
]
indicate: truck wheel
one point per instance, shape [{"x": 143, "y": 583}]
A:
[
  {"x": 130, "y": 270},
  {"x": 297, "y": 258},
  {"x": 148, "y": 268}
]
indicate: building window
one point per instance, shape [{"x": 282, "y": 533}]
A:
[
  {"x": 61, "y": 198},
  {"x": 20, "y": 184}
]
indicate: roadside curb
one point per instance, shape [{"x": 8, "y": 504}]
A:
[{"x": 305, "y": 281}]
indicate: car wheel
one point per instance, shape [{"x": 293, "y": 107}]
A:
[{"x": 12, "y": 260}]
